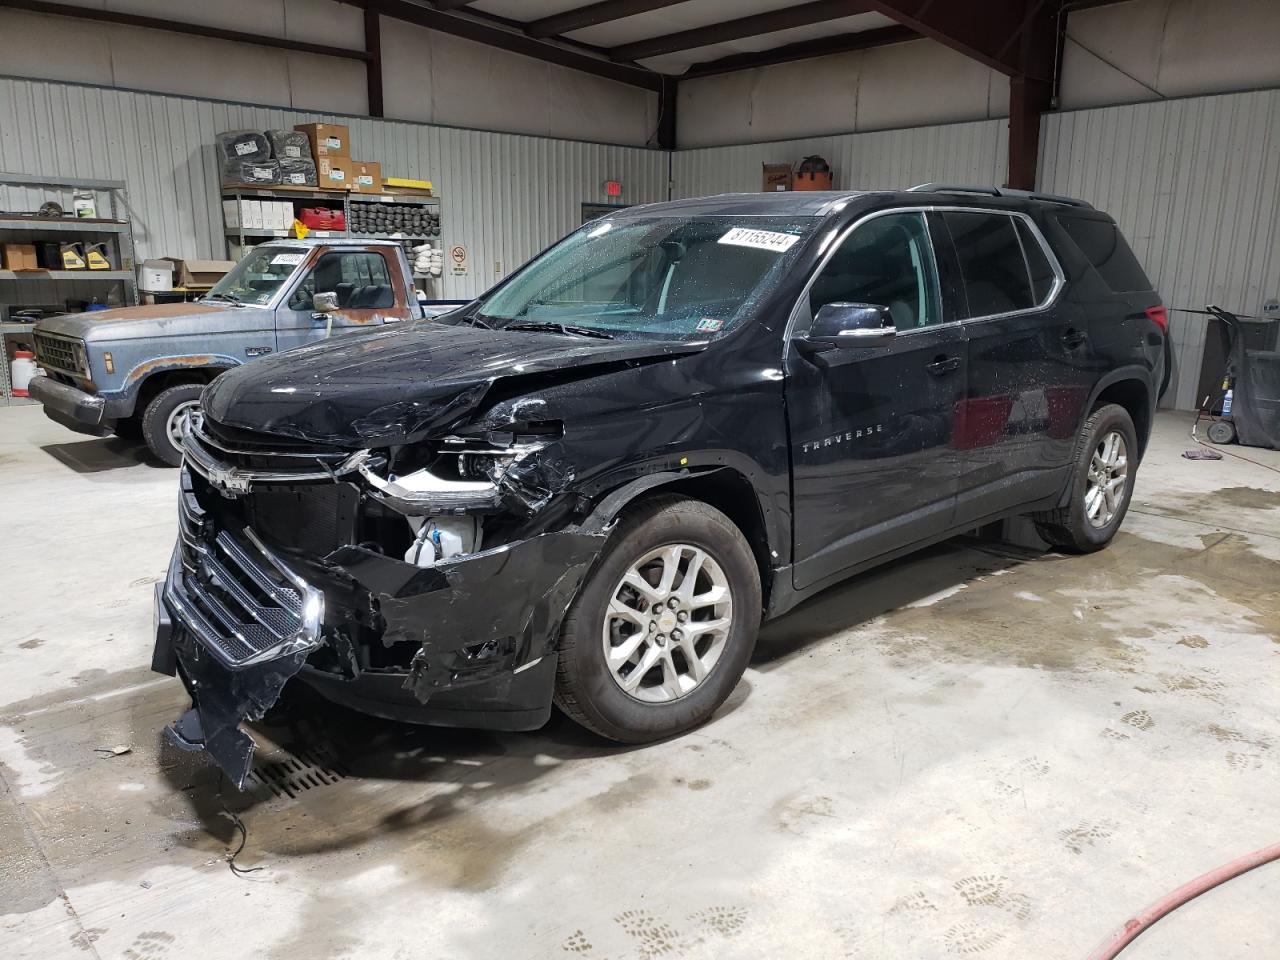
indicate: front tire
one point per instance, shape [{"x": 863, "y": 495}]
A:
[
  {"x": 162, "y": 420},
  {"x": 1106, "y": 465},
  {"x": 664, "y": 626}
]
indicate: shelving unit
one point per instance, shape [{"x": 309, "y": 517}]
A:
[
  {"x": 242, "y": 236},
  {"x": 115, "y": 231}
]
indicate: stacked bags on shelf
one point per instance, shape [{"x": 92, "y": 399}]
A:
[
  {"x": 428, "y": 261},
  {"x": 265, "y": 160}
]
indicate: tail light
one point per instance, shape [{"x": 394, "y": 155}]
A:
[{"x": 1159, "y": 316}]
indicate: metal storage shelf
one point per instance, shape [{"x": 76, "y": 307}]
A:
[
  {"x": 66, "y": 275},
  {"x": 68, "y": 225},
  {"x": 331, "y": 196}
]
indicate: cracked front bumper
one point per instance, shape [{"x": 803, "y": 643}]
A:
[{"x": 237, "y": 623}]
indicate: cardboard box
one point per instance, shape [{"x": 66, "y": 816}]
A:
[
  {"x": 366, "y": 177},
  {"x": 231, "y": 214},
  {"x": 251, "y": 215},
  {"x": 20, "y": 256},
  {"x": 777, "y": 177},
  {"x": 272, "y": 215},
  {"x": 405, "y": 183},
  {"x": 327, "y": 140},
  {"x": 199, "y": 273},
  {"x": 335, "y": 173}
]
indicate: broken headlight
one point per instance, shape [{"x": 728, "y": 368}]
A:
[{"x": 452, "y": 475}]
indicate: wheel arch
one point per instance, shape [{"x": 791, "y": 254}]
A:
[
  {"x": 149, "y": 380},
  {"x": 1133, "y": 391},
  {"x": 727, "y": 489}
]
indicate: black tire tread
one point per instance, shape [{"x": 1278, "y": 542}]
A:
[
  {"x": 153, "y": 425},
  {"x": 634, "y": 517},
  {"x": 1054, "y": 526}
]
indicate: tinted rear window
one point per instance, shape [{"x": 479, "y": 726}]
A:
[
  {"x": 1042, "y": 275},
  {"x": 1106, "y": 249},
  {"x": 991, "y": 262}
]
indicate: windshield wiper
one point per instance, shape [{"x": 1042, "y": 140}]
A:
[
  {"x": 475, "y": 321},
  {"x": 567, "y": 329},
  {"x": 229, "y": 297}
]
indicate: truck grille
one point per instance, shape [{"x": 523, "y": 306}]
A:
[
  {"x": 236, "y": 597},
  {"x": 58, "y": 353}
]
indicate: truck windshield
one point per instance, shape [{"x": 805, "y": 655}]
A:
[
  {"x": 257, "y": 277},
  {"x": 653, "y": 278}
]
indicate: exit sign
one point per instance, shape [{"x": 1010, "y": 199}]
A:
[{"x": 613, "y": 188}]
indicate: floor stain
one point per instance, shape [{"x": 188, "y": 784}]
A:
[
  {"x": 971, "y": 938},
  {"x": 1194, "y": 642},
  {"x": 1139, "y": 720}
]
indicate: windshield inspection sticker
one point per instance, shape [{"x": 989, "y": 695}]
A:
[
  {"x": 287, "y": 259},
  {"x": 708, "y": 325},
  {"x": 760, "y": 239}
]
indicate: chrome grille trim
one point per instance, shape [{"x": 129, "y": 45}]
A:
[
  {"x": 59, "y": 353},
  {"x": 230, "y": 478},
  {"x": 210, "y": 589}
]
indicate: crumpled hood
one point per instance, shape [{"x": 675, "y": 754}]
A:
[
  {"x": 400, "y": 383},
  {"x": 160, "y": 320}
]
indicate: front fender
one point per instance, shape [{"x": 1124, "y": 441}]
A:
[{"x": 125, "y": 395}]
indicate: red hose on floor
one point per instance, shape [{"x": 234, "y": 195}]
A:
[{"x": 1112, "y": 946}]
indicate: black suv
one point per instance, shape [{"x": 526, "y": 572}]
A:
[{"x": 589, "y": 486}]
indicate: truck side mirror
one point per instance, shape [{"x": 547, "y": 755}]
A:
[
  {"x": 324, "y": 302},
  {"x": 839, "y": 325}
]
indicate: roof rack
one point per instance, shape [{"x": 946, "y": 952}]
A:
[{"x": 1000, "y": 192}]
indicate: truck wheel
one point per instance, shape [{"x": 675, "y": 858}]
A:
[
  {"x": 163, "y": 418},
  {"x": 1101, "y": 483},
  {"x": 663, "y": 628}
]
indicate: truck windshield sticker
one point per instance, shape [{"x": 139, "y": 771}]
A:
[
  {"x": 760, "y": 239},
  {"x": 287, "y": 259},
  {"x": 709, "y": 325}
]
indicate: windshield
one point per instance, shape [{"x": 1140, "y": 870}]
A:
[
  {"x": 657, "y": 278},
  {"x": 257, "y": 277}
]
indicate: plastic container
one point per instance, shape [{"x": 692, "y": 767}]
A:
[
  {"x": 21, "y": 369},
  {"x": 155, "y": 276},
  {"x": 84, "y": 206}
]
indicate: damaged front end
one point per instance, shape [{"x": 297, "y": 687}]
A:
[{"x": 422, "y": 582}]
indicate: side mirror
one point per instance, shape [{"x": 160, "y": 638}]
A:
[
  {"x": 843, "y": 325},
  {"x": 324, "y": 302}
]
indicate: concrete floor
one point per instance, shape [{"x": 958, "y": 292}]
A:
[{"x": 977, "y": 751}]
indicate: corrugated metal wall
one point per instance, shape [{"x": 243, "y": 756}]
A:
[
  {"x": 504, "y": 196},
  {"x": 1195, "y": 186},
  {"x": 890, "y": 159}
]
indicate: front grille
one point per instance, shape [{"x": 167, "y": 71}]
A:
[
  {"x": 314, "y": 520},
  {"x": 236, "y": 597},
  {"x": 56, "y": 352}
]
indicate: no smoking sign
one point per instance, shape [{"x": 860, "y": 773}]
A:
[{"x": 458, "y": 255}]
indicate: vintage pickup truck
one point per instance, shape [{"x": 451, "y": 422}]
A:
[{"x": 138, "y": 371}]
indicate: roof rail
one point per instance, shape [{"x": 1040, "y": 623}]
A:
[{"x": 1000, "y": 192}]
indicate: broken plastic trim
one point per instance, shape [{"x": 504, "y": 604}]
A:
[
  {"x": 232, "y": 480},
  {"x": 468, "y": 631}
]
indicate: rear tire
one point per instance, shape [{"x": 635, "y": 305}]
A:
[
  {"x": 1106, "y": 464},
  {"x": 162, "y": 417},
  {"x": 691, "y": 633}
]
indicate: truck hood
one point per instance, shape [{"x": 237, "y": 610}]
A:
[
  {"x": 400, "y": 384},
  {"x": 160, "y": 320}
]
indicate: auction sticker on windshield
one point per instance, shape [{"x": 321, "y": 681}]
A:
[
  {"x": 760, "y": 239},
  {"x": 287, "y": 259}
]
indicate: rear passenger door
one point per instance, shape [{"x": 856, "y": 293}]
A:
[{"x": 1028, "y": 359}]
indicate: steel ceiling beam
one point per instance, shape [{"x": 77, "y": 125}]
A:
[
  {"x": 175, "y": 26},
  {"x": 497, "y": 34},
  {"x": 803, "y": 15},
  {"x": 592, "y": 15},
  {"x": 985, "y": 37},
  {"x": 804, "y": 50}
]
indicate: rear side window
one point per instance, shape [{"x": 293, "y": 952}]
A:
[
  {"x": 1042, "y": 275},
  {"x": 996, "y": 277},
  {"x": 1100, "y": 241}
]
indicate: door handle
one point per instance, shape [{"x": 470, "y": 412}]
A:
[
  {"x": 1073, "y": 338},
  {"x": 943, "y": 365}
]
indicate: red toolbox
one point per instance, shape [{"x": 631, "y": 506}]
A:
[{"x": 323, "y": 218}]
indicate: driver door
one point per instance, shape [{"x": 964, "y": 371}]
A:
[
  {"x": 369, "y": 288},
  {"x": 873, "y": 468}
]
